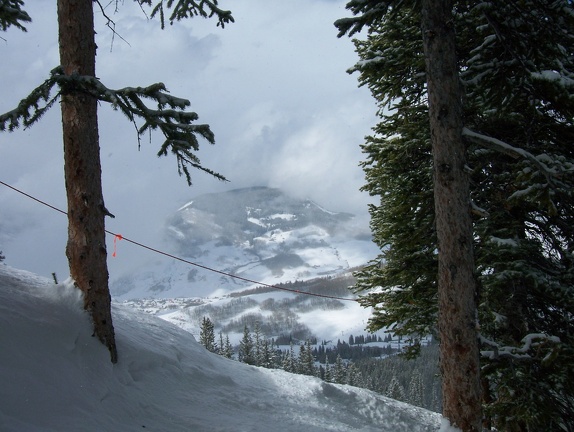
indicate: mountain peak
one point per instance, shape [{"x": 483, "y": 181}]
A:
[{"x": 258, "y": 233}]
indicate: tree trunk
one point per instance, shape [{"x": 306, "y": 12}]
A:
[
  {"x": 456, "y": 281},
  {"x": 86, "y": 248}
]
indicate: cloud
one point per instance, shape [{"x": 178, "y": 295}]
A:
[{"x": 272, "y": 86}]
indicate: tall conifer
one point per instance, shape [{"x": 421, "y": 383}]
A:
[
  {"x": 207, "y": 335},
  {"x": 518, "y": 112},
  {"x": 246, "y": 353}
]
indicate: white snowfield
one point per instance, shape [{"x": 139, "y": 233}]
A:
[{"x": 54, "y": 376}]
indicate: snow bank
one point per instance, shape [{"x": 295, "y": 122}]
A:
[{"x": 56, "y": 377}]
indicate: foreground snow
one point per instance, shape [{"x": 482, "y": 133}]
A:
[{"x": 56, "y": 377}]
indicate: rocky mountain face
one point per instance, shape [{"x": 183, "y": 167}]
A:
[{"x": 256, "y": 233}]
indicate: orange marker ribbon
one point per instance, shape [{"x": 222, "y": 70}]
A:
[{"x": 116, "y": 237}]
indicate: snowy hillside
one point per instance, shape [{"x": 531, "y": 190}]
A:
[
  {"x": 279, "y": 313},
  {"x": 56, "y": 377},
  {"x": 263, "y": 235},
  {"x": 257, "y": 233}
]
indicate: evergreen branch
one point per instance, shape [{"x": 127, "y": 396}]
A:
[
  {"x": 514, "y": 152},
  {"x": 11, "y": 14},
  {"x": 32, "y": 107},
  {"x": 188, "y": 9},
  {"x": 524, "y": 352},
  {"x": 366, "y": 13},
  {"x": 176, "y": 125}
]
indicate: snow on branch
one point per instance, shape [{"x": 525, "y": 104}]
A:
[
  {"x": 479, "y": 211},
  {"x": 176, "y": 125},
  {"x": 32, "y": 107},
  {"x": 365, "y": 13},
  {"x": 555, "y": 77},
  {"x": 529, "y": 342},
  {"x": 495, "y": 144},
  {"x": 11, "y": 14}
]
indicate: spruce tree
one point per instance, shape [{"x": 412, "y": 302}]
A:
[
  {"x": 328, "y": 373},
  {"x": 228, "y": 350},
  {"x": 338, "y": 371},
  {"x": 207, "y": 335},
  {"x": 267, "y": 358},
  {"x": 525, "y": 244},
  {"x": 289, "y": 360},
  {"x": 456, "y": 283},
  {"x": 221, "y": 346},
  {"x": 285, "y": 363},
  {"x": 258, "y": 348},
  {"x": 246, "y": 348},
  {"x": 395, "y": 390},
  {"x": 415, "y": 390},
  {"x": 354, "y": 376},
  {"x": 518, "y": 110},
  {"x": 80, "y": 92},
  {"x": 306, "y": 363},
  {"x": 398, "y": 170}
]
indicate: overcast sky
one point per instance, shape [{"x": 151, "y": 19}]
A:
[{"x": 273, "y": 87}]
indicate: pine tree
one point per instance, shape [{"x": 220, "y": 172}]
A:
[
  {"x": 80, "y": 92},
  {"x": 306, "y": 363},
  {"x": 328, "y": 373},
  {"x": 522, "y": 142},
  {"x": 267, "y": 359},
  {"x": 395, "y": 390},
  {"x": 207, "y": 335},
  {"x": 221, "y": 345},
  {"x": 246, "y": 348},
  {"x": 228, "y": 350},
  {"x": 289, "y": 360},
  {"x": 457, "y": 286},
  {"x": 415, "y": 390},
  {"x": 301, "y": 360},
  {"x": 354, "y": 376},
  {"x": 285, "y": 363},
  {"x": 518, "y": 111},
  {"x": 258, "y": 351},
  {"x": 398, "y": 170},
  {"x": 338, "y": 372}
]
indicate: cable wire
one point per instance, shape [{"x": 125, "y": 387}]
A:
[{"x": 152, "y": 249}]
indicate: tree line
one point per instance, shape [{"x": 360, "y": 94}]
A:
[{"x": 373, "y": 367}]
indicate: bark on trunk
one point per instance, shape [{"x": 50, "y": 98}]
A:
[
  {"x": 86, "y": 248},
  {"x": 456, "y": 281}
]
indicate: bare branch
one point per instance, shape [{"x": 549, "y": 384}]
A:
[{"x": 110, "y": 23}]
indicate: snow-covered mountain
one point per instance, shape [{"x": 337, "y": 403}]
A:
[
  {"x": 262, "y": 235},
  {"x": 257, "y": 233},
  {"x": 56, "y": 377}
]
